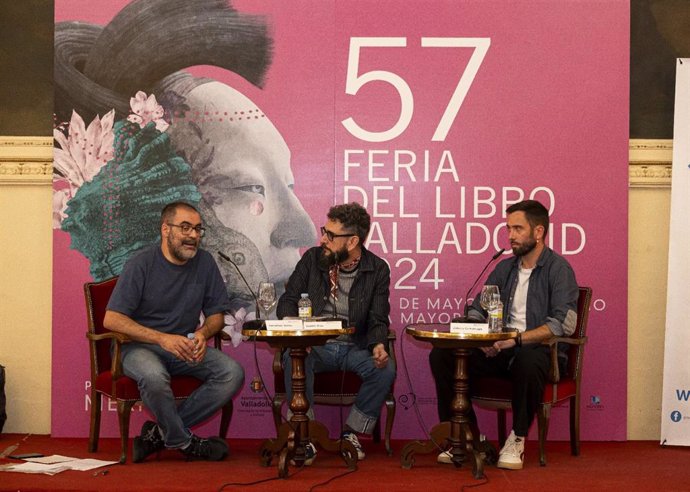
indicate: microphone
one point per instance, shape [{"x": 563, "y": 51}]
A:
[
  {"x": 225, "y": 257},
  {"x": 493, "y": 258}
]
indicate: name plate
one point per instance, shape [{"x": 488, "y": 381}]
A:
[
  {"x": 323, "y": 324},
  {"x": 470, "y": 328},
  {"x": 284, "y": 324}
]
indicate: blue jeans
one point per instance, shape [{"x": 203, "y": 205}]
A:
[
  {"x": 151, "y": 367},
  {"x": 341, "y": 356}
]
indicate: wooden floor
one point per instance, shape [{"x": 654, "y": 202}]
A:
[{"x": 635, "y": 465}]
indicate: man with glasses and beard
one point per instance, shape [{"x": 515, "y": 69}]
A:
[
  {"x": 157, "y": 303},
  {"x": 539, "y": 295},
  {"x": 344, "y": 279}
]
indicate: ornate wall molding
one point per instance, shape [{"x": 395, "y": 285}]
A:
[
  {"x": 26, "y": 160},
  {"x": 650, "y": 163},
  {"x": 29, "y": 160}
]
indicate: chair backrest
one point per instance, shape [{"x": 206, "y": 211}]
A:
[
  {"x": 97, "y": 295},
  {"x": 576, "y": 352}
]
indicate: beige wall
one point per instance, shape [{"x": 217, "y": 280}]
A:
[
  {"x": 25, "y": 281},
  {"x": 26, "y": 278}
]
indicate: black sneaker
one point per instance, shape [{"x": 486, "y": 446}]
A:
[
  {"x": 309, "y": 455},
  {"x": 213, "y": 449},
  {"x": 150, "y": 441},
  {"x": 352, "y": 437}
]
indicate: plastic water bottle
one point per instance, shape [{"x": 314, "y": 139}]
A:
[
  {"x": 304, "y": 307},
  {"x": 496, "y": 315},
  {"x": 193, "y": 339}
]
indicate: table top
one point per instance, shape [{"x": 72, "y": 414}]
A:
[
  {"x": 256, "y": 330},
  {"x": 439, "y": 334}
]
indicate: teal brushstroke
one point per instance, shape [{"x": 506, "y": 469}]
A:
[{"x": 118, "y": 212}]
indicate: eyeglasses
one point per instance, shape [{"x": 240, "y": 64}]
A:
[
  {"x": 331, "y": 235},
  {"x": 188, "y": 228}
]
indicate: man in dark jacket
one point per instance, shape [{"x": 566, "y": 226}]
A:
[{"x": 345, "y": 280}]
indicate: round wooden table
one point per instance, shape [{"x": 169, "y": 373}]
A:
[
  {"x": 295, "y": 434},
  {"x": 460, "y": 432}
]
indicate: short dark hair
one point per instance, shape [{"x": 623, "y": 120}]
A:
[
  {"x": 169, "y": 211},
  {"x": 535, "y": 213},
  {"x": 353, "y": 217}
]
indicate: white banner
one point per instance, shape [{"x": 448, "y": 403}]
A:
[{"x": 675, "y": 408}]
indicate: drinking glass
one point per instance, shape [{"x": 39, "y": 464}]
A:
[
  {"x": 267, "y": 297},
  {"x": 487, "y": 296}
]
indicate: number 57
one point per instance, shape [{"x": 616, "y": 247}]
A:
[{"x": 355, "y": 82}]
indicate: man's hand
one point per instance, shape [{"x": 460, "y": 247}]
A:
[
  {"x": 182, "y": 347},
  {"x": 494, "y": 350},
  {"x": 380, "y": 356},
  {"x": 199, "y": 346}
]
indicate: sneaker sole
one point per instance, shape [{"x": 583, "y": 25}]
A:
[{"x": 509, "y": 466}]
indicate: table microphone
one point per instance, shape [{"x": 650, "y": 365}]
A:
[
  {"x": 225, "y": 257},
  {"x": 493, "y": 258}
]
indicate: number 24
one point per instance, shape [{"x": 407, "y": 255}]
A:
[{"x": 355, "y": 82}]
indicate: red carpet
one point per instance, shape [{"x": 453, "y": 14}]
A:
[{"x": 637, "y": 465}]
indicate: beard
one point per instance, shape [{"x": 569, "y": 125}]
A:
[
  {"x": 329, "y": 258},
  {"x": 179, "y": 251},
  {"x": 524, "y": 248}
]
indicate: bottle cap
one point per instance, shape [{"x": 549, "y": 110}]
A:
[{"x": 304, "y": 294}]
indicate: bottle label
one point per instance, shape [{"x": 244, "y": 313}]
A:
[{"x": 304, "y": 311}]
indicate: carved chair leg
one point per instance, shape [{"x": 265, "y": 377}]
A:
[
  {"x": 543, "y": 415},
  {"x": 575, "y": 424},
  {"x": 124, "y": 411},
  {"x": 95, "y": 427},
  {"x": 390, "y": 417}
]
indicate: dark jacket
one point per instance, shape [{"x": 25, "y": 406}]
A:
[
  {"x": 551, "y": 296},
  {"x": 368, "y": 302}
]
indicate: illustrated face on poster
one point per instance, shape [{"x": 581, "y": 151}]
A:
[{"x": 223, "y": 155}]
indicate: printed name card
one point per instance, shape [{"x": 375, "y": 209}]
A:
[
  {"x": 323, "y": 324},
  {"x": 470, "y": 328},
  {"x": 284, "y": 324}
]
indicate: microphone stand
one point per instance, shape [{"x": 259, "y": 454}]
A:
[
  {"x": 467, "y": 306},
  {"x": 225, "y": 257}
]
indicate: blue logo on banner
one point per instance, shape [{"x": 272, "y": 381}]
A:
[
  {"x": 676, "y": 416},
  {"x": 595, "y": 400}
]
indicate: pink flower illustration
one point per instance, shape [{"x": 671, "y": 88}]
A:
[
  {"x": 234, "y": 323},
  {"x": 80, "y": 156},
  {"x": 145, "y": 110}
]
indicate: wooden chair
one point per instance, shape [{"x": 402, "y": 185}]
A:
[
  {"x": 495, "y": 393},
  {"x": 106, "y": 370},
  {"x": 327, "y": 391}
]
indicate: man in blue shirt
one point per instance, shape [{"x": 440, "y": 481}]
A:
[{"x": 157, "y": 303}]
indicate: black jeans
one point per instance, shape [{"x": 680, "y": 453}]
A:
[{"x": 527, "y": 367}]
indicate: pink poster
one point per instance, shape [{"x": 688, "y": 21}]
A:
[{"x": 435, "y": 115}]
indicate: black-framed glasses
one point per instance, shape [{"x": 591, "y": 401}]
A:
[
  {"x": 188, "y": 228},
  {"x": 332, "y": 235}
]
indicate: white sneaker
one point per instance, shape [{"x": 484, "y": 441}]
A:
[
  {"x": 445, "y": 457},
  {"x": 513, "y": 452},
  {"x": 352, "y": 437}
]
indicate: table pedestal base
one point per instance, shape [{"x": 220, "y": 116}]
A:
[
  {"x": 478, "y": 452},
  {"x": 290, "y": 446}
]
